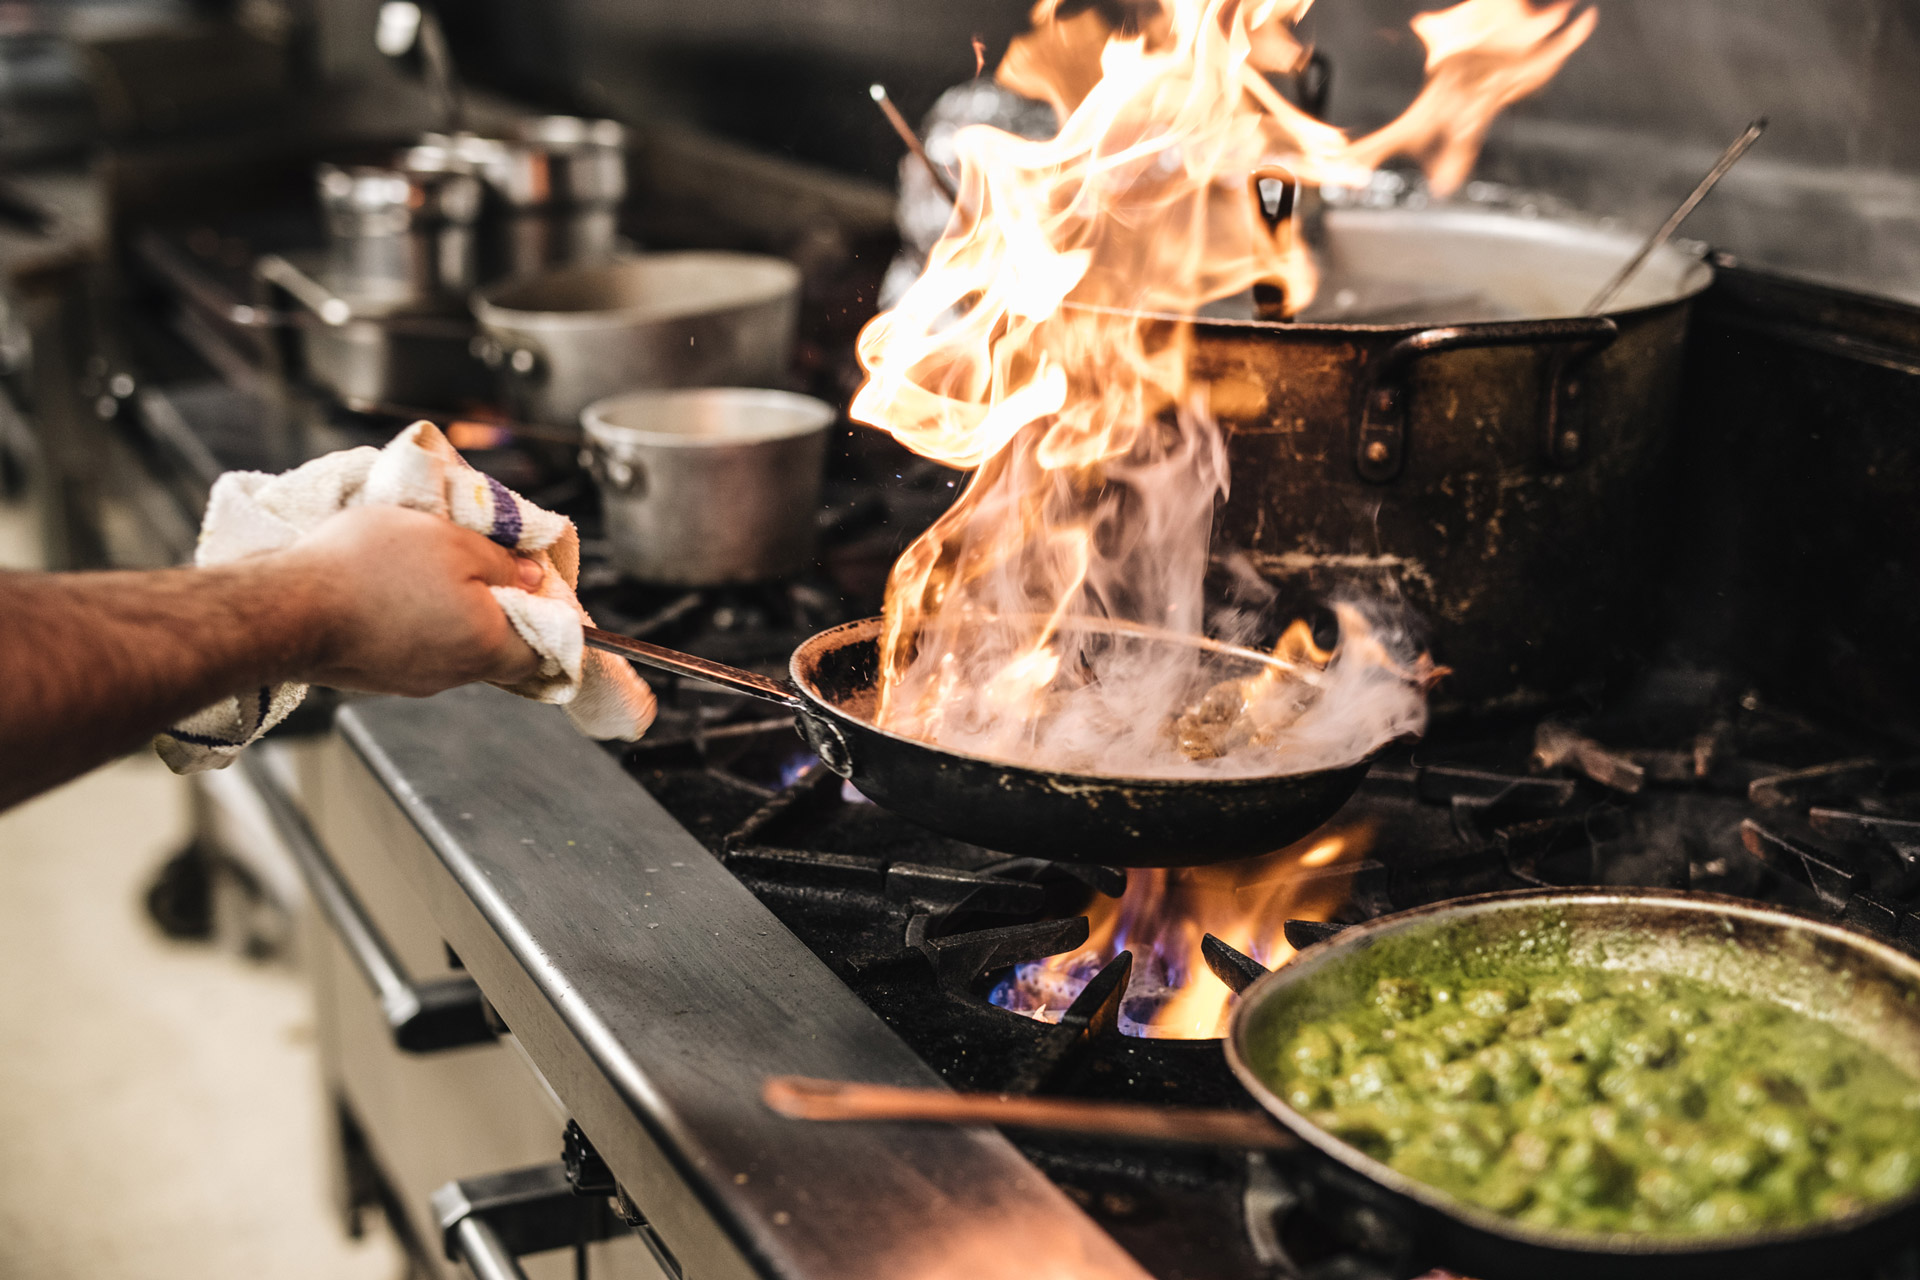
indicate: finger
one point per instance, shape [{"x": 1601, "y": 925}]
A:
[
  {"x": 517, "y": 660},
  {"x": 499, "y": 567}
]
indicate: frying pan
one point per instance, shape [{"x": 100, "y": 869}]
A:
[
  {"x": 1015, "y": 809},
  {"x": 1864, "y": 988}
]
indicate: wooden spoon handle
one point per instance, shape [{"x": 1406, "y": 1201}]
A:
[{"x": 805, "y": 1098}]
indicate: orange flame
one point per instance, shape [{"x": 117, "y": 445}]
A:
[
  {"x": 1164, "y": 914},
  {"x": 1043, "y": 346}
]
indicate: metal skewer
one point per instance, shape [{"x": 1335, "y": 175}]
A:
[
  {"x": 912, "y": 139},
  {"x": 803, "y": 1098},
  {"x": 1727, "y": 160}
]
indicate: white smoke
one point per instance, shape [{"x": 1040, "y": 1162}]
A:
[{"x": 1105, "y": 693}]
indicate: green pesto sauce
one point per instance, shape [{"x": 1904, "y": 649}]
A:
[{"x": 1596, "y": 1101}]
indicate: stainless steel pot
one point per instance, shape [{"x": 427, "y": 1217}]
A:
[
  {"x": 1444, "y": 424},
  {"x": 562, "y": 340},
  {"x": 555, "y": 185},
  {"x": 373, "y": 355},
  {"x": 398, "y": 235},
  {"x": 710, "y": 485}
]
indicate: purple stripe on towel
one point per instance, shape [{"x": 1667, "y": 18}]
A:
[{"x": 506, "y": 515}]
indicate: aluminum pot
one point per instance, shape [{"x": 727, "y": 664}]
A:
[
  {"x": 1444, "y": 423},
  {"x": 554, "y": 185},
  {"x": 398, "y": 235},
  {"x": 709, "y": 485},
  {"x": 373, "y": 355},
  {"x": 562, "y": 340}
]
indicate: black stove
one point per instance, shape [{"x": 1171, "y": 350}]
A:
[{"x": 1694, "y": 781}]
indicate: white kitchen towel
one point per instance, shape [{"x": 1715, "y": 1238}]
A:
[{"x": 252, "y": 512}]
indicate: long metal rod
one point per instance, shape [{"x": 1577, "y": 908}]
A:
[
  {"x": 473, "y": 1241},
  {"x": 912, "y": 139},
  {"x": 805, "y": 1098},
  {"x": 751, "y": 683},
  {"x": 442, "y": 79},
  {"x": 446, "y": 1013},
  {"x": 1728, "y": 159}
]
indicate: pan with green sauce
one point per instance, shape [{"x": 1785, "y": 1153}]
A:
[{"x": 1589, "y": 1100}]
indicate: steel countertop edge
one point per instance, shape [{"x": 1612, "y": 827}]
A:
[{"x": 642, "y": 978}]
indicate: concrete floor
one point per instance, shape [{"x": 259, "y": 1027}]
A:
[{"x": 159, "y": 1111}]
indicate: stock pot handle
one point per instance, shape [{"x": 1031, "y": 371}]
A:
[
  {"x": 1380, "y": 446},
  {"x": 523, "y": 362}
]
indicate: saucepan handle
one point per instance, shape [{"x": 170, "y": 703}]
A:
[
  {"x": 750, "y": 683},
  {"x": 1381, "y": 446}
]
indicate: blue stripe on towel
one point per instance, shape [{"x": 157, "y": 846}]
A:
[
  {"x": 201, "y": 739},
  {"x": 506, "y": 515},
  {"x": 263, "y": 704}
]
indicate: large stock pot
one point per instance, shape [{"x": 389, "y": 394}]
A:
[{"x": 1444, "y": 424}]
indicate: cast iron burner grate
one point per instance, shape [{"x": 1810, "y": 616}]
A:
[{"x": 1689, "y": 784}]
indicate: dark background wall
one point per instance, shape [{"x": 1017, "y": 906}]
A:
[{"x": 1832, "y": 192}]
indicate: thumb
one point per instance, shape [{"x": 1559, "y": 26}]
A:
[{"x": 500, "y": 567}]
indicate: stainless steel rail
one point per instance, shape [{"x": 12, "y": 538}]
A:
[
  {"x": 446, "y": 1013},
  {"x": 474, "y": 1242},
  {"x": 490, "y": 1223}
]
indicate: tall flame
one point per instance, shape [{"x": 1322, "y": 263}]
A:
[{"x": 1042, "y": 348}]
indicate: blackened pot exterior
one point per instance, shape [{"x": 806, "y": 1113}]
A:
[{"x": 1508, "y": 486}]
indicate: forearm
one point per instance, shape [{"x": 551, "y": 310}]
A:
[
  {"x": 93, "y": 664},
  {"x": 379, "y": 599}
]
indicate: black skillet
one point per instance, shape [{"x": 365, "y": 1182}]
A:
[
  {"x": 1013, "y": 809},
  {"x": 1864, "y": 987}
]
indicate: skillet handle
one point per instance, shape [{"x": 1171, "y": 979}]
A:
[
  {"x": 750, "y": 683},
  {"x": 1381, "y": 447}
]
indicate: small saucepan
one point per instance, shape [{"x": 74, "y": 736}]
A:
[
  {"x": 1864, "y": 988},
  {"x": 1015, "y": 809},
  {"x": 708, "y": 485}
]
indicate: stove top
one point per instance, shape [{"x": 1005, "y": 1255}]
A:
[{"x": 1695, "y": 782}]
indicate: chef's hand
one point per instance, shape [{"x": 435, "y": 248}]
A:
[{"x": 401, "y": 603}]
